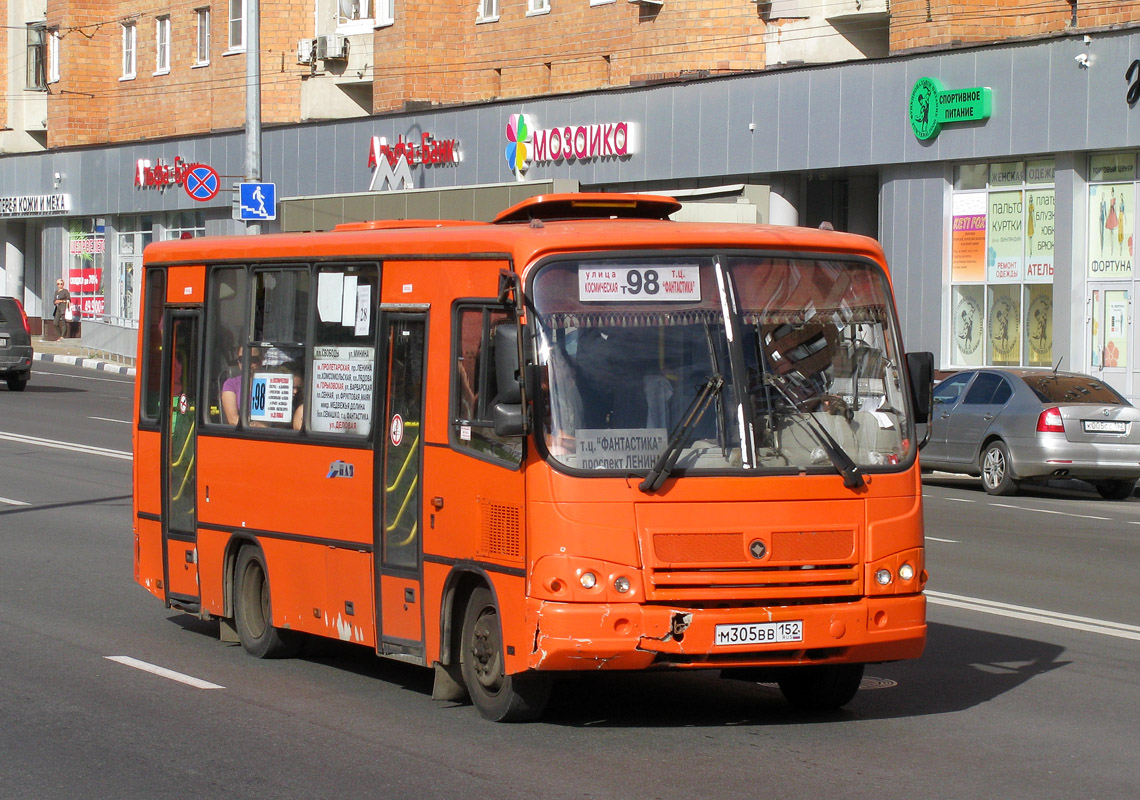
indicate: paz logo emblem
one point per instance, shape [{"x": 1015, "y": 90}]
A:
[{"x": 757, "y": 549}]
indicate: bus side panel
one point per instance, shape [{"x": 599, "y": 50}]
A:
[
  {"x": 298, "y": 508},
  {"x": 148, "y": 500},
  {"x": 186, "y": 285}
]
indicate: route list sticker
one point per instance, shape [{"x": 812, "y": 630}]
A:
[
  {"x": 602, "y": 284},
  {"x": 342, "y": 390}
]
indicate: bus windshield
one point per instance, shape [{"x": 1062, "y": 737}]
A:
[{"x": 719, "y": 362}]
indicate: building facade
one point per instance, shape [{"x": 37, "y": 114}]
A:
[{"x": 999, "y": 176}]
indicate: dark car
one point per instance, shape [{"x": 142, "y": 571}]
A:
[
  {"x": 1014, "y": 425},
  {"x": 15, "y": 344}
]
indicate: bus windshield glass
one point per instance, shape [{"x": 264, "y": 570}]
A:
[{"x": 719, "y": 362}]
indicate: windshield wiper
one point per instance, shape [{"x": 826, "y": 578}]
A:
[
  {"x": 852, "y": 476},
  {"x": 680, "y": 434}
]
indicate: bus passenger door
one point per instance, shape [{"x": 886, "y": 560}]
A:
[
  {"x": 180, "y": 371},
  {"x": 398, "y": 547}
]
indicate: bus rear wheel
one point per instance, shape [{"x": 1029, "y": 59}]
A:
[
  {"x": 823, "y": 687},
  {"x": 252, "y": 617},
  {"x": 498, "y": 697}
]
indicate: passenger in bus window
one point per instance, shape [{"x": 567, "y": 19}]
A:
[
  {"x": 231, "y": 389},
  {"x": 297, "y": 369}
]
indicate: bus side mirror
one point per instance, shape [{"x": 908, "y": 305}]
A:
[
  {"x": 921, "y": 369},
  {"x": 508, "y": 413}
]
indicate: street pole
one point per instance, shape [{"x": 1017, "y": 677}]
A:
[{"x": 253, "y": 99}]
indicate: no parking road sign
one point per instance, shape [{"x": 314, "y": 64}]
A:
[{"x": 202, "y": 182}]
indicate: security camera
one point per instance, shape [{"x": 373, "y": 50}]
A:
[{"x": 1082, "y": 59}]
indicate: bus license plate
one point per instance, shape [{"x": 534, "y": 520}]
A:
[{"x": 760, "y": 633}]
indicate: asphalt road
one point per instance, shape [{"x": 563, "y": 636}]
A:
[{"x": 1028, "y": 689}]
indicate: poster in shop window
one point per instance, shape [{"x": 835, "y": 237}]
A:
[
  {"x": 1110, "y": 230},
  {"x": 1039, "y": 236},
  {"x": 968, "y": 240},
  {"x": 1007, "y": 237}
]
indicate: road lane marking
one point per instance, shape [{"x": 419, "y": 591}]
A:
[
  {"x": 1118, "y": 629},
  {"x": 108, "y": 419},
  {"x": 10, "y": 502},
  {"x": 947, "y": 541},
  {"x": 75, "y": 448},
  {"x": 951, "y": 499},
  {"x": 1049, "y": 511},
  {"x": 163, "y": 672}
]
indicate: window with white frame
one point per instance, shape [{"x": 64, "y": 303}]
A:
[
  {"x": 488, "y": 11},
  {"x": 162, "y": 45},
  {"x": 130, "y": 50},
  {"x": 53, "y": 55},
  {"x": 37, "y": 57},
  {"x": 237, "y": 25},
  {"x": 385, "y": 12},
  {"x": 537, "y": 7},
  {"x": 202, "y": 56}
]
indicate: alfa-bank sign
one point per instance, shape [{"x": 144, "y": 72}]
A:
[
  {"x": 391, "y": 164},
  {"x": 161, "y": 175}
]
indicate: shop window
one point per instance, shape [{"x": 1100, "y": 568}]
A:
[
  {"x": 1001, "y": 268},
  {"x": 132, "y": 236},
  {"x": 473, "y": 385}
]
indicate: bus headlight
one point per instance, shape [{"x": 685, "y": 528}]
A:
[
  {"x": 588, "y": 580},
  {"x": 906, "y": 572},
  {"x": 621, "y": 584},
  {"x": 883, "y": 577}
]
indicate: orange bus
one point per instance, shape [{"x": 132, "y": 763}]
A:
[{"x": 582, "y": 436}]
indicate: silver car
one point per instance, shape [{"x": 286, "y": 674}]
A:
[{"x": 1014, "y": 425}]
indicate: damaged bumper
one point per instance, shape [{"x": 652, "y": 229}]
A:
[{"x": 586, "y": 636}]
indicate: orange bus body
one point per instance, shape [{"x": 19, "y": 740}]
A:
[{"x": 574, "y": 568}]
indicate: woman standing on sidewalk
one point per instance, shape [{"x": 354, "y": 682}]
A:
[{"x": 62, "y": 306}]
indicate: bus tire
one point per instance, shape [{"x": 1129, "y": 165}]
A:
[
  {"x": 823, "y": 687},
  {"x": 252, "y": 616},
  {"x": 497, "y": 696}
]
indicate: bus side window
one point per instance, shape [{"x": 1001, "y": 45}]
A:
[
  {"x": 155, "y": 289},
  {"x": 473, "y": 386},
  {"x": 225, "y": 351},
  {"x": 279, "y": 328}
]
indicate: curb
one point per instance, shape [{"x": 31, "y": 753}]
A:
[{"x": 88, "y": 363}]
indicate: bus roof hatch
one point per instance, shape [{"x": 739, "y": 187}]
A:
[{"x": 596, "y": 205}]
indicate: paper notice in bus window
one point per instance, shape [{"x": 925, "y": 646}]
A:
[
  {"x": 271, "y": 397},
  {"x": 619, "y": 448},
  {"x": 348, "y": 307},
  {"x": 604, "y": 284},
  {"x": 363, "y": 309},
  {"x": 342, "y": 390},
  {"x": 330, "y": 295}
]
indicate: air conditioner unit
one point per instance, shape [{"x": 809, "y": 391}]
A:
[
  {"x": 332, "y": 46},
  {"x": 305, "y": 51}
]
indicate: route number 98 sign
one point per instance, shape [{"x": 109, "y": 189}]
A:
[{"x": 632, "y": 284}]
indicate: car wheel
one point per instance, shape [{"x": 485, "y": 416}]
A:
[
  {"x": 1115, "y": 490},
  {"x": 16, "y": 383},
  {"x": 997, "y": 477}
]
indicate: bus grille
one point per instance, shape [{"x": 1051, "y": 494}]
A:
[
  {"x": 500, "y": 535},
  {"x": 797, "y": 566}
]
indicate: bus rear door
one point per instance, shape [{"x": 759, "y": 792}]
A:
[
  {"x": 398, "y": 547},
  {"x": 180, "y": 369}
]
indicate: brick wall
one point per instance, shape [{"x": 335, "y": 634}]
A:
[{"x": 917, "y": 24}]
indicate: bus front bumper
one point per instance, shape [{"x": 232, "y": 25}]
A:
[{"x": 584, "y": 636}]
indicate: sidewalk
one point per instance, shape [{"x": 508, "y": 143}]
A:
[{"x": 72, "y": 351}]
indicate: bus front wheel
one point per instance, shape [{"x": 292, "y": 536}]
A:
[
  {"x": 252, "y": 617},
  {"x": 498, "y": 697},
  {"x": 823, "y": 687}
]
